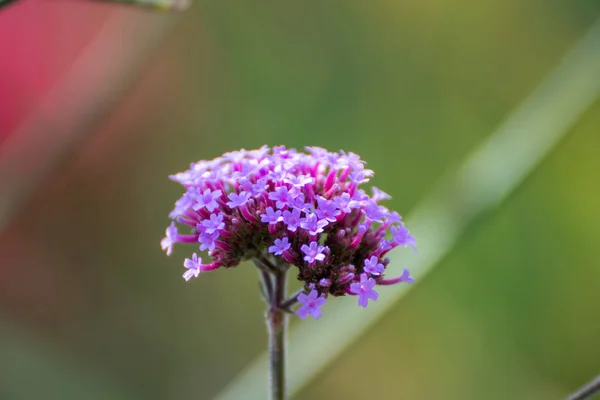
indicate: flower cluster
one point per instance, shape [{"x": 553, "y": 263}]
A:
[{"x": 302, "y": 209}]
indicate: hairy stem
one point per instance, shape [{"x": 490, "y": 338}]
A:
[
  {"x": 587, "y": 391},
  {"x": 276, "y": 321},
  {"x": 274, "y": 285},
  {"x": 267, "y": 286}
]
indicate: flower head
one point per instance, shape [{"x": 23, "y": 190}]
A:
[{"x": 309, "y": 210}]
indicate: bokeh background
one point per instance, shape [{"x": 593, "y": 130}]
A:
[{"x": 90, "y": 307}]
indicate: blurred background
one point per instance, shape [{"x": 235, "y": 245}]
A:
[{"x": 99, "y": 103}]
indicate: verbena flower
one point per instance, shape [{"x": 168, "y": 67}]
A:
[
  {"x": 311, "y": 304},
  {"x": 304, "y": 209}
]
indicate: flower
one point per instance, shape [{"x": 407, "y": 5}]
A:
[
  {"x": 214, "y": 223},
  {"x": 309, "y": 210},
  {"x": 282, "y": 195},
  {"x": 169, "y": 240},
  {"x": 402, "y": 237},
  {"x": 364, "y": 290},
  {"x": 313, "y": 224},
  {"x": 280, "y": 246},
  {"x": 292, "y": 219},
  {"x": 311, "y": 304},
  {"x": 373, "y": 266},
  {"x": 314, "y": 252},
  {"x": 405, "y": 277},
  {"x": 238, "y": 200},
  {"x": 207, "y": 240},
  {"x": 271, "y": 216},
  {"x": 327, "y": 209},
  {"x": 207, "y": 199},
  {"x": 193, "y": 267}
]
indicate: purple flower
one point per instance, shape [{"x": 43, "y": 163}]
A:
[
  {"x": 379, "y": 195},
  {"x": 402, "y": 237},
  {"x": 238, "y": 200},
  {"x": 280, "y": 246},
  {"x": 259, "y": 187},
  {"x": 361, "y": 176},
  {"x": 385, "y": 246},
  {"x": 169, "y": 240},
  {"x": 207, "y": 199},
  {"x": 351, "y": 160},
  {"x": 393, "y": 217},
  {"x": 373, "y": 266},
  {"x": 311, "y": 304},
  {"x": 271, "y": 216},
  {"x": 405, "y": 277},
  {"x": 299, "y": 181},
  {"x": 181, "y": 205},
  {"x": 327, "y": 210},
  {"x": 314, "y": 252},
  {"x": 282, "y": 196},
  {"x": 299, "y": 203},
  {"x": 313, "y": 224},
  {"x": 292, "y": 219},
  {"x": 346, "y": 203},
  {"x": 193, "y": 267},
  {"x": 333, "y": 232},
  {"x": 245, "y": 184},
  {"x": 375, "y": 212},
  {"x": 364, "y": 290},
  {"x": 207, "y": 240},
  {"x": 213, "y": 224}
]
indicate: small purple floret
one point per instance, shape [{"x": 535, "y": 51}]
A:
[
  {"x": 271, "y": 216},
  {"x": 402, "y": 237},
  {"x": 207, "y": 199},
  {"x": 280, "y": 246},
  {"x": 169, "y": 240},
  {"x": 207, "y": 240},
  {"x": 311, "y": 304},
  {"x": 238, "y": 200},
  {"x": 373, "y": 266},
  {"x": 282, "y": 196},
  {"x": 405, "y": 277},
  {"x": 314, "y": 252},
  {"x": 313, "y": 224},
  {"x": 193, "y": 267},
  {"x": 364, "y": 290},
  {"x": 213, "y": 224},
  {"x": 292, "y": 219},
  {"x": 327, "y": 210}
]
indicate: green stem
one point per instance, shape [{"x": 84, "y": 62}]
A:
[
  {"x": 274, "y": 277},
  {"x": 276, "y": 322}
]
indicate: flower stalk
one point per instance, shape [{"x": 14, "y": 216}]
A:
[{"x": 274, "y": 286}]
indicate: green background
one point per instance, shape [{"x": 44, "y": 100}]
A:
[{"x": 91, "y": 305}]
